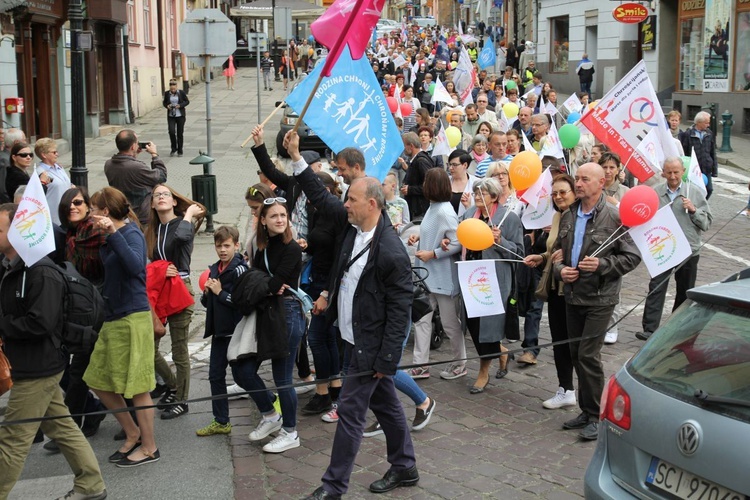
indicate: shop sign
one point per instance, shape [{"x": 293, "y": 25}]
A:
[
  {"x": 648, "y": 34},
  {"x": 51, "y": 8},
  {"x": 688, "y": 5},
  {"x": 630, "y": 13}
]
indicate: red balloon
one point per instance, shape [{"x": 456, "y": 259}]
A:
[
  {"x": 392, "y": 104},
  {"x": 406, "y": 109},
  {"x": 638, "y": 205},
  {"x": 202, "y": 280}
]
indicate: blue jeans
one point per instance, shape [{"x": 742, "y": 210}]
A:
[
  {"x": 405, "y": 383},
  {"x": 322, "y": 338},
  {"x": 246, "y": 371},
  {"x": 217, "y": 377}
]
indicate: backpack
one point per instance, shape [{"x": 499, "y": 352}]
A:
[{"x": 83, "y": 310}]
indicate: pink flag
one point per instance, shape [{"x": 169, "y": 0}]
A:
[{"x": 346, "y": 22}]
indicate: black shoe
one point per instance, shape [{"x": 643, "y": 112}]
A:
[
  {"x": 395, "y": 478},
  {"x": 91, "y": 425},
  {"x": 321, "y": 494},
  {"x": 643, "y": 335},
  {"x": 126, "y": 462},
  {"x": 591, "y": 431},
  {"x": 119, "y": 455},
  {"x": 319, "y": 403},
  {"x": 160, "y": 388},
  {"x": 167, "y": 399},
  {"x": 175, "y": 411},
  {"x": 51, "y": 446},
  {"x": 579, "y": 422}
]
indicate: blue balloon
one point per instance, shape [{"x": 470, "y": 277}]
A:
[
  {"x": 311, "y": 39},
  {"x": 574, "y": 117},
  {"x": 705, "y": 179}
]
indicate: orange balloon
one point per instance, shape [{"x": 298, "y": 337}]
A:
[
  {"x": 475, "y": 235},
  {"x": 525, "y": 169}
]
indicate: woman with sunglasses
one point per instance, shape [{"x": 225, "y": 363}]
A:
[
  {"x": 280, "y": 256},
  {"x": 563, "y": 195},
  {"x": 169, "y": 237},
  {"x": 122, "y": 365},
  {"x": 21, "y": 158}
]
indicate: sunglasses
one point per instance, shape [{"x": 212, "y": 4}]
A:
[
  {"x": 25, "y": 155},
  {"x": 271, "y": 201},
  {"x": 77, "y": 203}
]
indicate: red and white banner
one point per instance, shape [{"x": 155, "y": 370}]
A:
[{"x": 624, "y": 116}]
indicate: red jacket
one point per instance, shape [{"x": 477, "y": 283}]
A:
[{"x": 167, "y": 296}]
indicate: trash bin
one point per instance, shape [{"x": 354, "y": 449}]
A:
[{"x": 204, "y": 192}]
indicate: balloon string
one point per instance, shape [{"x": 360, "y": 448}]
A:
[
  {"x": 508, "y": 250},
  {"x": 607, "y": 240},
  {"x": 598, "y": 250}
]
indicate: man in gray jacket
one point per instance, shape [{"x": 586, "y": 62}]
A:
[
  {"x": 592, "y": 285},
  {"x": 694, "y": 216},
  {"x": 134, "y": 178}
]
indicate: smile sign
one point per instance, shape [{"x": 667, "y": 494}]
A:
[{"x": 630, "y": 13}]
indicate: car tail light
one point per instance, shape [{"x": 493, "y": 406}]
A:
[{"x": 615, "y": 404}]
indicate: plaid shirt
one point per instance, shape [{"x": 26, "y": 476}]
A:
[{"x": 82, "y": 244}]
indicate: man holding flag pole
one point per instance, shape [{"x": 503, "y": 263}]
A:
[{"x": 694, "y": 216}]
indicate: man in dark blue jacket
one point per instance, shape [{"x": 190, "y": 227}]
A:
[{"x": 31, "y": 322}]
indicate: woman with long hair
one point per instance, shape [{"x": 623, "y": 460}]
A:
[
  {"x": 169, "y": 237},
  {"x": 563, "y": 195},
  {"x": 279, "y": 255},
  {"x": 488, "y": 332},
  {"x": 122, "y": 365}
]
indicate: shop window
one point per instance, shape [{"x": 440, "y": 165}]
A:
[
  {"x": 742, "y": 61},
  {"x": 132, "y": 28},
  {"x": 559, "y": 49},
  {"x": 691, "y": 54},
  {"x": 147, "y": 39},
  {"x": 691, "y": 112}
]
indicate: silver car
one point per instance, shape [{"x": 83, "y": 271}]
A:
[{"x": 675, "y": 420}]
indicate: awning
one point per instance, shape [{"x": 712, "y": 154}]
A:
[
  {"x": 6, "y": 5},
  {"x": 263, "y": 9}
]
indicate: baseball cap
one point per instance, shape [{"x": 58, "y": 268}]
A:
[{"x": 310, "y": 157}]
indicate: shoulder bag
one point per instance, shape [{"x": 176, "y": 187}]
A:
[{"x": 304, "y": 299}]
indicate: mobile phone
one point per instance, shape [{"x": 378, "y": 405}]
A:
[{"x": 143, "y": 145}]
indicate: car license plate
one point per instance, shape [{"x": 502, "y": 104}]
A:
[{"x": 683, "y": 484}]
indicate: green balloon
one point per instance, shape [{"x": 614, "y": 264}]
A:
[
  {"x": 510, "y": 85},
  {"x": 686, "y": 164},
  {"x": 431, "y": 89},
  {"x": 569, "y": 136}
]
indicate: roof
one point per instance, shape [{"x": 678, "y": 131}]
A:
[{"x": 264, "y": 8}]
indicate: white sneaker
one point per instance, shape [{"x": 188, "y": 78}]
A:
[
  {"x": 265, "y": 427},
  {"x": 234, "y": 390},
  {"x": 304, "y": 389},
  {"x": 561, "y": 399},
  {"x": 610, "y": 338},
  {"x": 284, "y": 441}
]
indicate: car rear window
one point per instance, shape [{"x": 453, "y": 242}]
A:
[{"x": 702, "y": 347}]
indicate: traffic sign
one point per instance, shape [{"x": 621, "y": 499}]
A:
[{"x": 207, "y": 32}]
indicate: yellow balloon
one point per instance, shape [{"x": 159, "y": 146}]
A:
[
  {"x": 510, "y": 109},
  {"x": 525, "y": 169},
  {"x": 453, "y": 135},
  {"x": 310, "y": 52},
  {"x": 475, "y": 235},
  {"x": 454, "y": 64}
]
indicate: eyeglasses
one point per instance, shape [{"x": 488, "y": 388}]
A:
[
  {"x": 271, "y": 201},
  {"x": 159, "y": 196},
  {"x": 25, "y": 155},
  {"x": 455, "y": 164},
  {"x": 77, "y": 203},
  {"x": 562, "y": 192},
  {"x": 500, "y": 174}
]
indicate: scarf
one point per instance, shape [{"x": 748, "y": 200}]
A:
[{"x": 477, "y": 158}]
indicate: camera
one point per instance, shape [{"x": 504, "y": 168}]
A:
[{"x": 143, "y": 145}]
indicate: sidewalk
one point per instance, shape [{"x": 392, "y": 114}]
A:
[{"x": 499, "y": 444}]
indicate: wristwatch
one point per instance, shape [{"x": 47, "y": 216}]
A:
[{"x": 324, "y": 294}]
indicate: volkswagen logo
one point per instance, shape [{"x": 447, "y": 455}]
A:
[{"x": 688, "y": 439}]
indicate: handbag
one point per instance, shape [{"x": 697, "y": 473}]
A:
[
  {"x": 304, "y": 299},
  {"x": 512, "y": 330},
  {"x": 6, "y": 382},
  {"x": 159, "y": 329},
  {"x": 545, "y": 282},
  {"x": 244, "y": 342},
  {"x": 420, "y": 304}
]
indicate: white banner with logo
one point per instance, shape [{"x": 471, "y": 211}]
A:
[
  {"x": 661, "y": 241},
  {"x": 479, "y": 288}
]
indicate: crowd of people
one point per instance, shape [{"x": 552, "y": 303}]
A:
[{"x": 326, "y": 263}]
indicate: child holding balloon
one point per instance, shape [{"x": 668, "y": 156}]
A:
[{"x": 222, "y": 317}]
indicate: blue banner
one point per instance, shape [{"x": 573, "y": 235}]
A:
[
  {"x": 350, "y": 110},
  {"x": 486, "y": 58}
]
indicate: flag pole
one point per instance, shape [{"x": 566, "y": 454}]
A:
[
  {"x": 263, "y": 123},
  {"x": 331, "y": 59}
]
